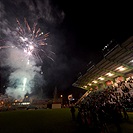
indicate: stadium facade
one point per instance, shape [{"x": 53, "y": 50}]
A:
[{"x": 116, "y": 66}]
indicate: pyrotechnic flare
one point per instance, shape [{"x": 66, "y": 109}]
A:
[{"x": 24, "y": 83}]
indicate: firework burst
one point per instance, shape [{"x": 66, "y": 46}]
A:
[{"x": 31, "y": 39}]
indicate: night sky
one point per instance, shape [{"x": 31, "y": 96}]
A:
[{"x": 79, "y": 30}]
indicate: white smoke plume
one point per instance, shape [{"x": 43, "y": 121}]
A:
[{"x": 22, "y": 78}]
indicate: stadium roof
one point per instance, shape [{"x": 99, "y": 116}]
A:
[{"x": 118, "y": 61}]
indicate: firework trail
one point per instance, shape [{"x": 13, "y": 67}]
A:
[{"x": 24, "y": 83}]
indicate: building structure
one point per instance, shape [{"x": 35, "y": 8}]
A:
[{"x": 116, "y": 66}]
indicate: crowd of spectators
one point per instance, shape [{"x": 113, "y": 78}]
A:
[{"x": 107, "y": 106}]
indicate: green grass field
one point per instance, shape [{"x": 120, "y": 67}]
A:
[
  {"x": 37, "y": 121},
  {"x": 127, "y": 126},
  {"x": 47, "y": 121}
]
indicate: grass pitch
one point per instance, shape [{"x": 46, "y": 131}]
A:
[{"x": 48, "y": 121}]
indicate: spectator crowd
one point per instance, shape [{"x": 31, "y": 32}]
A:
[{"x": 107, "y": 106}]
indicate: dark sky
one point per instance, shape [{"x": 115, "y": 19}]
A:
[
  {"x": 79, "y": 30},
  {"x": 88, "y": 28}
]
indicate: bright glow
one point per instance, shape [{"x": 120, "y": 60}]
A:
[
  {"x": 89, "y": 84},
  {"x": 127, "y": 78},
  {"x": 24, "y": 83},
  {"x": 31, "y": 47},
  {"x": 94, "y": 81},
  {"x": 25, "y": 103},
  {"x": 121, "y": 68},
  {"x": 15, "y": 100},
  {"x": 29, "y": 53},
  {"x": 85, "y": 86},
  {"x": 109, "y": 74},
  {"x": 24, "y": 39},
  {"x": 28, "y": 62},
  {"x": 101, "y": 78},
  {"x": 41, "y": 34},
  {"x": 131, "y": 61},
  {"x": 25, "y": 50}
]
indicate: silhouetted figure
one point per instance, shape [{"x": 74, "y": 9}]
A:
[
  {"x": 72, "y": 109},
  {"x": 117, "y": 117},
  {"x": 126, "y": 117}
]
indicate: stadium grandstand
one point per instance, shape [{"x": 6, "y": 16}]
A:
[{"x": 115, "y": 67}]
